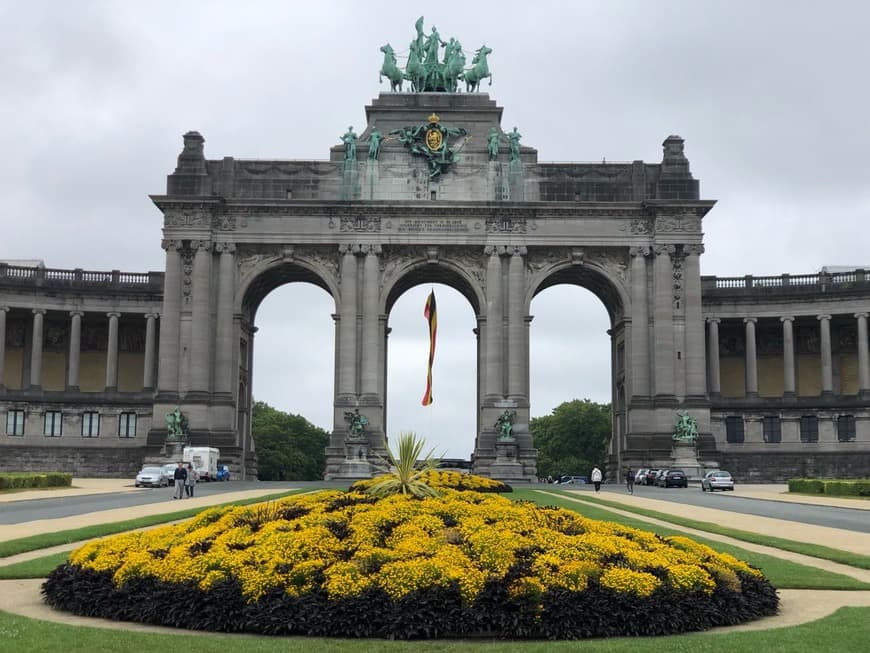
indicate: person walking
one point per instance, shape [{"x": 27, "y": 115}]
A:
[
  {"x": 190, "y": 481},
  {"x": 629, "y": 480},
  {"x": 180, "y": 476},
  {"x": 596, "y": 478}
]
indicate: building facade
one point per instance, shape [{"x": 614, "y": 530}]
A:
[{"x": 773, "y": 369}]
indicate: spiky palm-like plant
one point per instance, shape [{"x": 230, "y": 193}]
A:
[{"x": 401, "y": 475}]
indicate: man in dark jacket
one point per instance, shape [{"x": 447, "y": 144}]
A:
[{"x": 180, "y": 477}]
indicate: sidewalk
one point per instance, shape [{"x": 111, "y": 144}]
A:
[{"x": 102, "y": 486}]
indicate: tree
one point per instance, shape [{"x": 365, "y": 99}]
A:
[
  {"x": 288, "y": 447},
  {"x": 573, "y": 438}
]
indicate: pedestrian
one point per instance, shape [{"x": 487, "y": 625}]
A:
[
  {"x": 629, "y": 480},
  {"x": 190, "y": 481},
  {"x": 596, "y": 478},
  {"x": 180, "y": 476}
]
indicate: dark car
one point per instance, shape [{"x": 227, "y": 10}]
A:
[
  {"x": 717, "y": 479},
  {"x": 674, "y": 478},
  {"x": 650, "y": 477}
]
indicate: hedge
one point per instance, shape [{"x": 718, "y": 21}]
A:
[
  {"x": 24, "y": 480},
  {"x": 831, "y": 487}
]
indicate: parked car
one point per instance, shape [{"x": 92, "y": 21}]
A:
[
  {"x": 717, "y": 479},
  {"x": 674, "y": 478},
  {"x": 660, "y": 474},
  {"x": 223, "y": 473},
  {"x": 650, "y": 478},
  {"x": 151, "y": 477},
  {"x": 169, "y": 472},
  {"x": 573, "y": 480},
  {"x": 640, "y": 476}
]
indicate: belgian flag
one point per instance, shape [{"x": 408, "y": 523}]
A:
[{"x": 431, "y": 316}]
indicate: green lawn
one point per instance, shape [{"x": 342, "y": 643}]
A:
[
  {"x": 46, "y": 540},
  {"x": 846, "y": 630},
  {"x": 814, "y": 550},
  {"x": 782, "y": 573}
]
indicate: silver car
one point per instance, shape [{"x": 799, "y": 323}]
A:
[
  {"x": 717, "y": 479},
  {"x": 151, "y": 477},
  {"x": 169, "y": 472}
]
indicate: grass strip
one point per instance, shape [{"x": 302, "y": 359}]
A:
[
  {"x": 804, "y": 548},
  {"x": 784, "y": 574},
  {"x": 36, "y": 568},
  {"x": 845, "y": 630},
  {"x": 45, "y": 540}
]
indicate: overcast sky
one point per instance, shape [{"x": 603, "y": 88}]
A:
[{"x": 772, "y": 99}]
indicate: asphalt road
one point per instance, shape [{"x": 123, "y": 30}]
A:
[
  {"x": 833, "y": 517},
  {"x": 15, "y": 512},
  {"x": 849, "y": 519}
]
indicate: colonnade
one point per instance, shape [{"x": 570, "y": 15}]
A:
[
  {"x": 788, "y": 358},
  {"x": 37, "y": 342}
]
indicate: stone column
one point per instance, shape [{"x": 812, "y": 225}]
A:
[
  {"x": 663, "y": 320},
  {"x": 788, "y": 378},
  {"x": 200, "y": 333},
  {"x": 751, "y": 358},
  {"x": 371, "y": 343},
  {"x": 112, "y": 353},
  {"x": 639, "y": 363},
  {"x": 150, "y": 340},
  {"x": 694, "y": 352},
  {"x": 347, "y": 312},
  {"x": 863, "y": 357},
  {"x": 494, "y": 326},
  {"x": 225, "y": 380},
  {"x": 3, "y": 311},
  {"x": 75, "y": 350},
  {"x": 518, "y": 360},
  {"x": 827, "y": 363},
  {"x": 170, "y": 321},
  {"x": 714, "y": 380},
  {"x": 36, "y": 349}
]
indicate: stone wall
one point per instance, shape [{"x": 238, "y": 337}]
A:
[
  {"x": 104, "y": 462},
  {"x": 775, "y": 467}
]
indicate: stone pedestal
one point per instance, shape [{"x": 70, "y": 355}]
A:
[
  {"x": 506, "y": 466},
  {"x": 173, "y": 450},
  {"x": 685, "y": 457},
  {"x": 356, "y": 464}
]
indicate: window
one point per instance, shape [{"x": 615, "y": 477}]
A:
[
  {"x": 15, "y": 422},
  {"x": 772, "y": 429},
  {"x": 53, "y": 423},
  {"x": 846, "y": 428},
  {"x": 809, "y": 428},
  {"x": 734, "y": 429},
  {"x": 90, "y": 425},
  {"x": 127, "y": 425}
]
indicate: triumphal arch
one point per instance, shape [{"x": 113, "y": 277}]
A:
[
  {"x": 433, "y": 189},
  {"x": 771, "y": 373}
]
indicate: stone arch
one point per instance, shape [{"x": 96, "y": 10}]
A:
[
  {"x": 445, "y": 270},
  {"x": 266, "y": 274},
  {"x": 603, "y": 276}
]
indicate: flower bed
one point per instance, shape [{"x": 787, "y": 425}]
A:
[
  {"x": 445, "y": 480},
  {"x": 458, "y": 565}
]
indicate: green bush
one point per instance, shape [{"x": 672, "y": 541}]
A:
[
  {"x": 831, "y": 487},
  {"x": 26, "y": 480},
  {"x": 806, "y": 485}
]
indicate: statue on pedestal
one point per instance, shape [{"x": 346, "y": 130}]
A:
[
  {"x": 686, "y": 428},
  {"x": 176, "y": 425},
  {"x": 356, "y": 424},
  {"x": 505, "y": 425}
]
